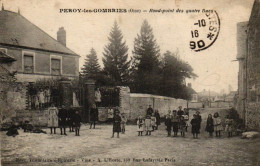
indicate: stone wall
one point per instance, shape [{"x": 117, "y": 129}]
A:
[
  {"x": 253, "y": 116},
  {"x": 12, "y": 99},
  {"x": 35, "y": 117},
  {"x": 135, "y": 104},
  {"x": 195, "y": 105},
  {"x": 221, "y": 104}
]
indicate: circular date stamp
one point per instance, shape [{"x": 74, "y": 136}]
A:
[{"x": 205, "y": 31}]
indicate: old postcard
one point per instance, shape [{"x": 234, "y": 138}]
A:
[{"x": 134, "y": 82}]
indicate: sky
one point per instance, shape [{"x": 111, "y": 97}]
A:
[{"x": 215, "y": 66}]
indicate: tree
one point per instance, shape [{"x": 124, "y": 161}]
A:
[
  {"x": 174, "y": 73},
  {"x": 91, "y": 68},
  {"x": 145, "y": 68},
  {"x": 115, "y": 59}
]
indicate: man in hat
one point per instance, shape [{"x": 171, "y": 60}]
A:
[
  {"x": 180, "y": 112},
  {"x": 149, "y": 110}
]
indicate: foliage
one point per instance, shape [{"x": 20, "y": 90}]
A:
[
  {"x": 91, "y": 68},
  {"x": 145, "y": 67},
  {"x": 174, "y": 73},
  {"x": 115, "y": 60}
]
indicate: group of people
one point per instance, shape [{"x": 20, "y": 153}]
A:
[
  {"x": 41, "y": 97},
  {"x": 62, "y": 119},
  {"x": 178, "y": 121},
  {"x": 150, "y": 123},
  {"x": 214, "y": 123},
  {"x": 175, "y": 121}
]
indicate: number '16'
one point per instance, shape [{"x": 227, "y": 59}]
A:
[{"x": 194, "y": 33}]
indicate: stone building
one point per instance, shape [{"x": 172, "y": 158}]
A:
[
  {"x": 28, "y": 54},
  {"x": 37, "y": 54},
  {"x": 241, "y": 55},
  {"x": 248, "y": 103}
]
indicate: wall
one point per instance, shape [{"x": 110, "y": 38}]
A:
[
  {"x": 12, "y": 99},
  {"x": 134, "y": 104},
  {"x": 195, "y": 105},
  {"x": 253, "y": 116},
  {"x": 253, "y": 69},
  {"x": 221, "y": 104},
  {"x": 70, "y": 64}
]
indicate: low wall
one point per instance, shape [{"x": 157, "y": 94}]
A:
[
  {"x": 195, "y": 105},
  {"x": 221, "y": 104},
  {"x": 135, "y": 104}
]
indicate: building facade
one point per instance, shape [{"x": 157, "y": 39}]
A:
[
  {"x": 248, "y": 103},
  {"x": 37, "y": 55}
]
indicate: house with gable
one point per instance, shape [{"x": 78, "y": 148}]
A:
[{"x": 37, "y": 55}]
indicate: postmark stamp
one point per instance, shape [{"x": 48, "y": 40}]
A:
[{"x": 205, "y": 30}]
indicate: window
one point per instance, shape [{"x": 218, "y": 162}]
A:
[
  {"x": 4, "y": 50},
  {"x": 28, "y": 63},
  {"x": 55, "y": 66}
]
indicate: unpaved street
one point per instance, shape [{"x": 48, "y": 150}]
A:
[{"x": 95, "y": 147}]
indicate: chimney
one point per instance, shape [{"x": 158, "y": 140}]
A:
[
  {"x": 61, "y": 36},
  {"x": 189, "y": 85}
]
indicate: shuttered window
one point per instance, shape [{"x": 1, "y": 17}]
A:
[
  {"x": 55, "y": 67},
  {"x": 28, "y": 64}
]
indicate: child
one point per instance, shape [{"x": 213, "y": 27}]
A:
[
  {"x": 71, "y": 114},
  {"x": 93, "y": 116},
  {"x": 153, "y": 121},
  {"x": 77, "y": 121},
  {"x": 217, "y": 124},
  {"x": 168, "y": 124},
  {"x": 148, "y": 124},
  {"x": 210, "y": 125},
  {"x": 123, "y": 123},
  {"x": 116, "y": 124},
  {"x": 175, "y": 123},
  {"x": 186, "y": 119},
  {"x": 182, "y": 126},
  {"x": 140, "y": 126},
  {"x": 229, "y": 126},
  {"x": 195, "y": 123}
]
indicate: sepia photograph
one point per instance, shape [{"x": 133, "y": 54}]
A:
[{"x": 134, "y": 82}]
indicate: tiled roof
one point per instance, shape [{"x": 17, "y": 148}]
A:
[{"x": 16, "y": 30}]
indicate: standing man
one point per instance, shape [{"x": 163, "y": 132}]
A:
[
  {"x": 180, "y": 112},
  {"x": 149, "y": 111},
  {"x": 62, "y": 120},
  {"x": 158, "y": 118},
  {"x": 199, "y": 119}
]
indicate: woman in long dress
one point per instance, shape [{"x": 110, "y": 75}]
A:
[
  {"x": 53, "y": 118},
  {"x": 210, "y": 125},
  {"x": 148, "y": 125}
]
